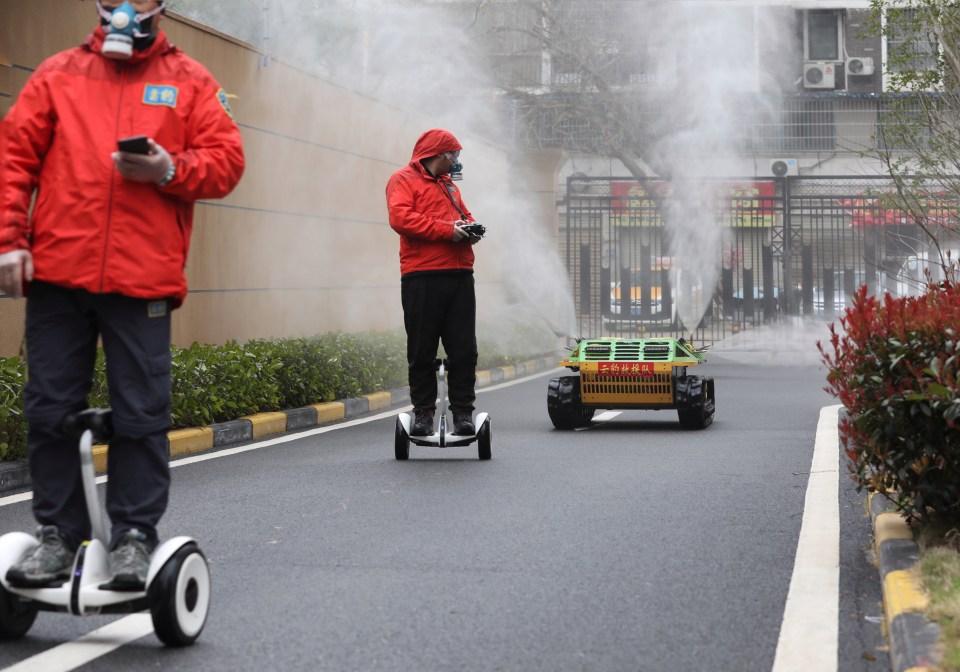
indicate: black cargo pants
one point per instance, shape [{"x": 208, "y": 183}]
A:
[
  {"x": 441, "y": 307},
  {"x": 62, "y": 328}
]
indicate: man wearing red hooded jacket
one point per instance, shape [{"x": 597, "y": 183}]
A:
[
  {"x": 436, "y": 285},
  {"x": 101, "y": 253}
]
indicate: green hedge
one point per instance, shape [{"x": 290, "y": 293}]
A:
[
  {"x": 895, "y": 367},
  {"x": 13, "y": 428},
  {"x": 216, "y": 383}
]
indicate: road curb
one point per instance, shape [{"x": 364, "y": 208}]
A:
[
  {"x": 914, "y": 640},
  {"x": 15, "y": 476}
]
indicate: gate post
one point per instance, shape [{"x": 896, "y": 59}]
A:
[
  {"x": 726, "y": 287},
  {"x": 645, "y": 283},
  {"x": 849, "y": 285},
  {"x": 806, "y": 278},
  {"x": 870, "y": 268},
  {"x": 748, "y": 303},
  {"x": 769, "y": 298},
  {"x": 828, "y": 293},
  {"x": 585, "y": 304},
  {"x": 787, "y": 295}
]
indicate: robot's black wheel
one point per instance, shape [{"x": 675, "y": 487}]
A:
[
  {"x": 401, "y": 442},
  {"x": 179, "y": 597},
  {"x": 563, "y": 403},
  {"x": 484, "y": 439},
  {"x": 16, "y": 615},
  {"x": 696, "y": 402}
]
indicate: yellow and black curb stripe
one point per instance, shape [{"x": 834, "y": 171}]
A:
[
  {"x": 914, "y": 641},
  {"x": 183, "y": 442}
]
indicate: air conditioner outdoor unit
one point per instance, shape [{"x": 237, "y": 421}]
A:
[
  {"x": 819, "y": 75},
  {"x": 860, "y": 65},
  {"x": 782, "y": 167}
]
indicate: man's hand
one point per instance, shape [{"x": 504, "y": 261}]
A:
[
  {"x": 15, "y": 268},
  {"x": 150, "y": 167},
  {"x": 458, "y": 233}
]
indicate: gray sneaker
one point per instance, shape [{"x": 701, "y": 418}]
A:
[
  {"x": 129, "y": 562},
  {"x": 47, "y": 565}
]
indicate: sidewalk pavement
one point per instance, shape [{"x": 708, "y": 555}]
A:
[
  {"x": 914, "y": 641},
  {"x": 15, "y": 476}
]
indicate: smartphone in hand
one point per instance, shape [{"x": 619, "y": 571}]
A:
[{"x": 135, "y": 145}]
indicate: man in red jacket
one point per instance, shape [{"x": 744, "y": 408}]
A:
[
  {"x": 436, "y": 285},
  {"x": 101, "y": 255}
]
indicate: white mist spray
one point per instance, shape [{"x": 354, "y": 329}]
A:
[
  {"x": 715, "y": 66},
  {"x": 418, "y": 59}
]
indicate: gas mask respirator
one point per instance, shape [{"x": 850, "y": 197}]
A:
[
  {"x": 456, "y": 170},
  {"x": 126, "y": 30}
]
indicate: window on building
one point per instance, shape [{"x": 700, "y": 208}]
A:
[
  {"x": 508, "y": 34},
  {"x": 823, "y": 35},
  {"x": 910, "y": 44}
]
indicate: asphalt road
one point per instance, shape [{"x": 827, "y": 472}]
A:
[{"x": 632, "y": 545}]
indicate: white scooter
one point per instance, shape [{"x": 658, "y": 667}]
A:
[
  {"x": 442, "y": 438},
  {"x": 178, "y": 581}
]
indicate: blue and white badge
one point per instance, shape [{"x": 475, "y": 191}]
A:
[{"x": 160, "y": 94}]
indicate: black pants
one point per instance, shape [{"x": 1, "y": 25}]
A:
[
  {"x": 441, "y": 307},
  {"x": 62, "y": 330}
]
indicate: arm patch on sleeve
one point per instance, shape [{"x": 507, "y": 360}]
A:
[{"x": 222, "y": 98}]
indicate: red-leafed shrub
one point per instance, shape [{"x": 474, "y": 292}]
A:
[{"x": 894, "y": 368}]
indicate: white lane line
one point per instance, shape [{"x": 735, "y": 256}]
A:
[
  {"x": 91, "y": 646},
  {"x": 71, "y": 655},
  {"x": 810, "y": 628},
  {"x": 25, "y": 496},
  {"x": 603, "y": 417},
  {"x": 323, "y": 430}
]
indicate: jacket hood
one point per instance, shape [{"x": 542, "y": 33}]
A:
[
  {"x": 94, "y": 42},
  {"x": 433, "y": 142}
]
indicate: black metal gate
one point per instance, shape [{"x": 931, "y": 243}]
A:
[{"x": 788, "y": 246}]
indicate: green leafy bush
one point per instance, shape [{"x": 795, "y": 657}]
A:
[
  {"x": 13, "y": 427},
  {"x": 216, "y": 383},
  {"x": 894, "y": 368}
]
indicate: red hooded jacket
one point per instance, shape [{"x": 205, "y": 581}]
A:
[
  {"x": 90, "y": 228},
  {"x": 422, "y": 213}
]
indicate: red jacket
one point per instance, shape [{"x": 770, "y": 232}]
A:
[
  {"x": 91, "y": 228},
  {"x": 423, "y": 215}
]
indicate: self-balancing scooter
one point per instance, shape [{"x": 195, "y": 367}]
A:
[
  {"x": 177, "y": 590},
  {"x": 442, "y": 438}
]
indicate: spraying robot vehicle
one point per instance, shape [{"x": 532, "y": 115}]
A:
[{"x": 625, "y": 373}]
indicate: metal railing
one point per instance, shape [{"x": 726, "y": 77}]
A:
[{"x": 795, "y": 124}]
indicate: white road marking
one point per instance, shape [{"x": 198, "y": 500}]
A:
[
  {"x": 71, "y": 655},
  {"x": 603, "y": 417},
  {"x": 100, "y": 642},
  {"x": 808, "y": 633},
  {"x": 810, "y": 628},
  {"x": 26, "y": 496}
]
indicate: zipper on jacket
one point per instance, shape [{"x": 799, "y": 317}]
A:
[
  {"x": 113, "y": 182},
  {"x": 449, "y": 194}
]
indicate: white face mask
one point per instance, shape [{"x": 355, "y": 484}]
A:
[{"x": 124, "y": 26}]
